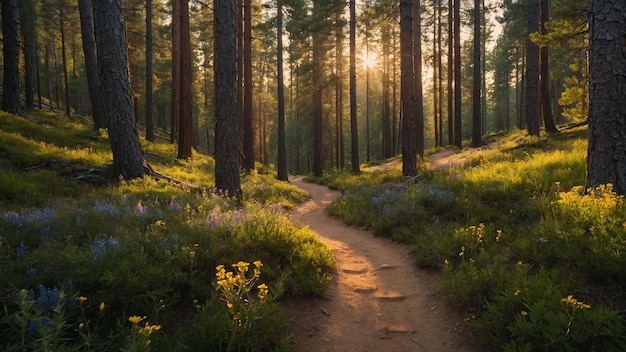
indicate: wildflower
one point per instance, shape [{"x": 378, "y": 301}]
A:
[
  {"x": 140, "y": 210},
  {"x": 106, "y": 209},
  {"x": 262, "y": 291},
  {"x": 47, "y": 299},
  {"x": 517, "y": 292},
  {"x": 102, "y": 305},
  {"x": 148, "y": 329},
  {"x": 32, "y": 272},
  {"x": 81, "y": 325},
  {"x": 242, "y": 266},
  {"x": 571, "y": 301},
  {"x": 524, "y": 313},
  {"x": 102, "y": 244},
  {"x": 81, "y": 299},
  {"x": 462, "y": 252},
  {"x": 21, "y": 250},
  {"x": 135, "y": 319}
]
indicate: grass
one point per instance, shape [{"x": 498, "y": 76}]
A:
[
  {"x": 133, "y": 265},
  {"x": 535, "y": 261}
]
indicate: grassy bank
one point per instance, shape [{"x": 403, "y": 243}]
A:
[
  {"x": 537, "y": 262},
  {"x": 90, "y": 264}
]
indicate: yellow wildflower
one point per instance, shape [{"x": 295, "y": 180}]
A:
[
  {"x": 82, "y": 299},
  {"x": 571, "y": 301},
  {"x": 524, "y": 313},
  {"x": 263, "y": 289},
  {"x": 135, "y": 319},
  {"x": 102, "y": 305}
]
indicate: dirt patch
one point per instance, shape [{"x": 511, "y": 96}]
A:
[{"x": 378, "y": 299}]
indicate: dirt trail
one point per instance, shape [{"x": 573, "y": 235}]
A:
[{"x": 378, "y": 300}]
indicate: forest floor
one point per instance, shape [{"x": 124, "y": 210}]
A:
[{"x": 378, "y": 299}]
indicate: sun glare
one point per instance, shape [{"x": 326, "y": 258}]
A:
[{"x": 369, "y": 59}]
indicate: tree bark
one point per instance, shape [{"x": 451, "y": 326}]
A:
[
  {"x": 91, "y": 63},
  {"x": 11, "y": 95},
  {"x": 149, "y": 87},
  {"x": 417, "y": 72},
  {"x": 606, "y": 155},
  {"x": 354, "y": 128},
  {"x": 185, "y": 120},
  {"x": 115, "y": 89},
  {"x": 386, "y": 115},
  {"x": 227, "y": 179},
  {"x": 29, "y": 33},
  {"x": 318, "y": 57},
  {"x": 248, "y": 117},
  {"x": 450, "y": 74},
  {"x": 281, "y": 163},
  {"x": 175, "y": 112},
  {"x": 407, "y": 87},
  {"x": 339, "y": 87},
  {"x": 532, "y": 71},
  {"x": 458, "y": 135},
  {"x": 477, "y": 81},
  {"x": 64, "y": 63},
  {"x": 544, "y": 69}
]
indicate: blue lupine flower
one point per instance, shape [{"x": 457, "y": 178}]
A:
[
  {"x": 31, "y": 272},
  {"x": 174, "y": 206},
  {"x": 37, "y": 326},
  {"x": 47, "y": 299},
  {"x": 100, "y": 246},
  {"x": 106, "y": 209},
  {"x": 21, "y": 250}
]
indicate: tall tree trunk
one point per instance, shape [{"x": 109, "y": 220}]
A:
[
  {"x": 409, "y": 147},
  {"x": 227, "y": 177},
  {"x": 477, "y": 81},
  {"x": 115, "y": 89},
  {"x": 606, "y": 155},
  {"x": 544, "y": 68},
  {"x": 11, "y": 94},
  {"x": 91, "y": 63},
  {"x": 281, "y": 163},
  {"x": 439, "y": 76},
  {"x": 532, "y": 71},
  {"x": 185, "y": 125},
  {"x": 318, "y": 59},
  {"x": 175, "y": 112},
  {"x": 29, "y": 33},
  {"x": 450, "y": 74},
  {"x": 387, "y": 139},
  {"x": 368, "y": 151},
  {"x": 149, "y": 88},
  {"x": 64, "y": 63},
  {"x": 436, "y": 58},
  {"x": 248, "y": 113},
  {"x": 354, "y": 128},
  {"x": 339, "y": 88},
  {"x": 240, "y": 92},
  {"x": 458, "y": 114},
  {"x": 417, "y": 72}
]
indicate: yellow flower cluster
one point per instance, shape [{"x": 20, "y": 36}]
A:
[
  {"x": 148, "y": 329},
  {"x": 236, "y": 284},
  {"x": 135, "y": 319},
  {"x": 263, "y": 290},
  {"x": 571, "y": 301}
]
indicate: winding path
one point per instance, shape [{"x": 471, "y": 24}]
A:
[{"x": 378, "y": 300}]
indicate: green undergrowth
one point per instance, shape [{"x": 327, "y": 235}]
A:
[
  {"x": 143, "y": 264},
  {"x": 536, "y": 261}
]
